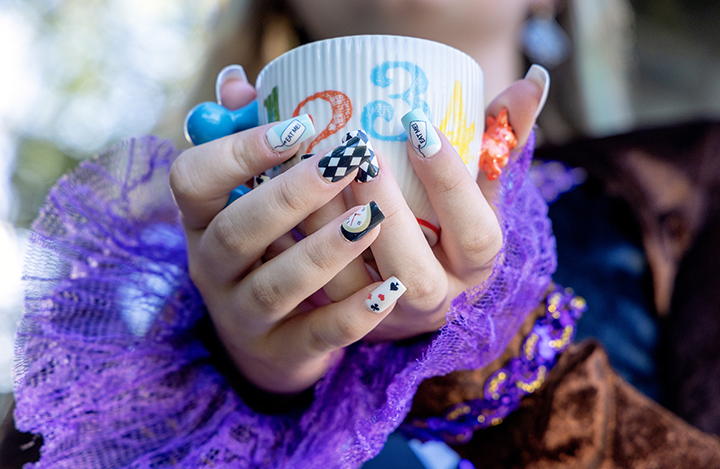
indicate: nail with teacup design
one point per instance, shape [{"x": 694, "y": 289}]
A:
[
  {"x": 361, "y": 222},
  {"x": 286, "y": 134},
  {"x": 385, "y": 295},
  {"x": 355, "y": 152},
  {"x": 421, "y": 133}
]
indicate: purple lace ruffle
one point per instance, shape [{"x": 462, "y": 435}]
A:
[{"x": 109, "y": 369}]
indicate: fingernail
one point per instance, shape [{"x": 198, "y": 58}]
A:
[
  {"x": 385, "y": 295},
  {"x": 421, "y": 133},
  {"x": 369, "y": 168},
  {"x": 306, "y": 156},
  {"x": 541, "y": 76},
  {"x": 260, "y": 179},
  {"x": 354, "y": 152},
  {"x": 231, "y": 72},
  {"x": 362, "y": 222},
  {"x": 286, "y": 134}
]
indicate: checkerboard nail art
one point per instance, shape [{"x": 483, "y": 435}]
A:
[
  {"x": 386, "y": 294},
  {"x": 354, "y": 152},
  {"x": 362, "y": 222},
  {"x": 368, "y": 169}
]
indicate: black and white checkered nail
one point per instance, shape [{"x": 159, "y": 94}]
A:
[{"x": 354, "y": 152}]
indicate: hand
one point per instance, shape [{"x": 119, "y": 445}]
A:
[
  {"x": 470, "y": 238},
  {"x": 278, "y": 334}
]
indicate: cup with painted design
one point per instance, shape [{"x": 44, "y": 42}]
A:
[{"x": 370, "y": 82}]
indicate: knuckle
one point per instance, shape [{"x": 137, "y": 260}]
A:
[
  {"x": 320, "y": 255},
  {"x": 181, "y": 182},
  {"x": 237, "y": 148},
  {"x": 483, "y": 245},
  {"x": 226, "y": 234},
  {"x": 447, "y": 182},
  {"x": 289, "y": 197},
  {"x": 426, "y": 288},
  {"x": 347, "y": 331},
  {"x": 265, "y": 295}
]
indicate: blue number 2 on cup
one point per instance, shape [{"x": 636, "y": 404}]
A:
[{"x": 383, "y": 109}]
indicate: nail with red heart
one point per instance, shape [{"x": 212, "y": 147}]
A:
[{"x": 385, "y": 295}]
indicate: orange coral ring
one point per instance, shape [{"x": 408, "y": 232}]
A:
[{"x": 498, "y": 140}]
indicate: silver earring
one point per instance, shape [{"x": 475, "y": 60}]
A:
[{"x": 544, "y": 41}]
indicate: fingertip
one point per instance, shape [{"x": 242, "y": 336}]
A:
[
  {"x": 234, "y": 94},
  {"x": 541, "y": 77},
  {"x": 521, "y": 100}
]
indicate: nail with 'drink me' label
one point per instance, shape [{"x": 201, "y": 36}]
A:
[
  {"x": 421, "y": 133},
  {"x": 287, "y": 134}
]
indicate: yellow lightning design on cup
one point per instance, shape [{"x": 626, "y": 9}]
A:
[{"x": 460, "y": 136}]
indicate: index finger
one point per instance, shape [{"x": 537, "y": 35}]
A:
[{"x": 203, "y": 176}]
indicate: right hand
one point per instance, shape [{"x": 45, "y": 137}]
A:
[{"x": 279, "y": 335}]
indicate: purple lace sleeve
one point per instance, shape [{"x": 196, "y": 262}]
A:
[{"x": 109, "y": 369}]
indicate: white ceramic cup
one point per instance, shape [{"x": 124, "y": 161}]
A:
[{"x": 369, "y": 83}]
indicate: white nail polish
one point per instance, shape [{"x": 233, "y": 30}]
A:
[
  {"x": 235, "y": 72},
  {"x": 540, "y": 75},
  {"x": 286, "y": 134},
  {"x": 386, "y": 294}
]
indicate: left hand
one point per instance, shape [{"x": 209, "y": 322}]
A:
[{"x": 471, "y": 236}]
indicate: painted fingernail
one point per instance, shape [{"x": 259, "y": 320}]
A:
[
  {"x": 354, "y": 152},
  {"x": 540, "y": 75},
  {"x": 386, "y": 294},
  {"x": 369, "y": 168},
  {"x": 306, "y": 156},
  {"x": 231, "y": 72},
  {"x": 287, "y": 134},
  {"x": 421, "y": 133},
  {"x": 362, "y": 222},
  {"x": 260, "y": 179}
]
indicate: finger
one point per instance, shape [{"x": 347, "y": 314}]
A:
[
  {"x": 355, "y": 275},
  {"x": 202, "y": 177},
  {"x": 342, "y": 323},
  {"x": 302, "y": 346},
  {"x": 232, "y": 88},
  {"x": 401, "y": 249},
  {"x": 524, "y": 101},
  {"x": 240, "y": 233},
  {"x": 471, "y": 236},
  {"x": 268, "y": 293}
]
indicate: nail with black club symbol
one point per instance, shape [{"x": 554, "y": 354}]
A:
[
  {"x": 386, "y": 294},
  {"x": 362, "y": 222}
]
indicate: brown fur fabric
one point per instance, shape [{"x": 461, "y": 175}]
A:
[{"x": 586, "y": 416}]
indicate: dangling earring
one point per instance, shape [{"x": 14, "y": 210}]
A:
[{"x": 544, "y": 41}]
